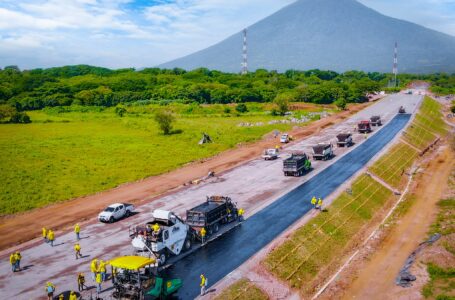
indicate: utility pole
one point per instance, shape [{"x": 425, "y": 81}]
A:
[
  {"x": 245, "y": 54},
  {"x": 395, "y": 64}
]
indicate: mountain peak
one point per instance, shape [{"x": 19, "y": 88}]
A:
[{"x": 338, "y": 35}]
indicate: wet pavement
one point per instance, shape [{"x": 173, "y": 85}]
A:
[{"x": 224, "y": 255}]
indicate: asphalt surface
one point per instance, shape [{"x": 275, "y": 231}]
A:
[{"x": 224, "y": 255}]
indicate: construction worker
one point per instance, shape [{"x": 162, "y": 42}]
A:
[
  {"x": 80, "y": 282},
  {"x": 203, "y": 284},
  {"x": 114, "y": 274},
  {"x": 241, "y": 212},
  {"x": 98, "y": 280},
  {"x": 77, "y": 249},
  {"x": 61, "y": 297},
  {"x": 44, "y": 233},
  {"x": 314, "y": 202},
  {"x": 77, "y": 231},
  {"x": 102, "y": 269},
  {"x": 73, "y": 296},
  {"x": 94, "y": 268},
  {"x": 51, "y": 237},
  {"x": 18, "y": 260},
  {"x": 203, "y": 233},
  {"x": 365, "y": 135},
  {"x": 320, "y": 204},
  {"x": 50, "y": 289},
  {"x": 12, "y": 260},
  {"x": 277, "y": 147}
]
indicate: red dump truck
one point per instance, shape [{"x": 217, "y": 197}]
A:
[{"x": 364, "y": 126}]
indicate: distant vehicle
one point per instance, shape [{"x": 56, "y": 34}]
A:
[
  {"x": 364, "y": 127},
  {"x": 322, "y": 151},
  {"x": 270, "y": 154},
  {"x": 285, "y": 138},
  {"x": 115, "y": 212},
  {"x": 344, "y": 139},
  {"x": 296, "y": 165},
  {"x": 409, "y": 92},
  {"x": 176, "y": 236},
  {"x": 401, "y": 110},
  {"x": 376, "y": 121}
]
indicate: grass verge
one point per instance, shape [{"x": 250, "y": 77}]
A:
[
  {"x": 243, "y": 289},
  {"x": 322, "y": 241}
]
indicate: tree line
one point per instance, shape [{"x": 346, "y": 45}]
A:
[{"x": 95, "y": 86}]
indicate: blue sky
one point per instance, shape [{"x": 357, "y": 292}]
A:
[{"x": 140, "y": 33}]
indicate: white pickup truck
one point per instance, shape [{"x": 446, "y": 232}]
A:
[
  {"x": 270, "y": 154},
  {"x": 285, "y": 138},
  {"x": 115, "y": 212}
]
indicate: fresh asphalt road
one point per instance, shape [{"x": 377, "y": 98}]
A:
[{"x": 225, "y": 254}]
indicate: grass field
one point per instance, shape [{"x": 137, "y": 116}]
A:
[
  {"x": 242, "y": 290},
  {"x": 322, "y": 241},
  {"x": 427, "y": 125},
  {"x": 391, "y": 166},
  {"x": 65, "y": 153}
]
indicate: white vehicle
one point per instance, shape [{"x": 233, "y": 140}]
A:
[
  {"x": 115, "y": 212},
  {"x": 172, "y": 237},
  {"x": 270, "y": 154},
  {"x": 285, "y": 138}
]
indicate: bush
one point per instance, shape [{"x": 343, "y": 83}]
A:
[
  {"x": 227, "y": 110},
  {"x": 20, "y": 118},
  {"x": 120, "y": 111},
  {"x": 241, "y": 108},
  {"x": 341, "y": 103},
  {"x": 164, "y": 118}
]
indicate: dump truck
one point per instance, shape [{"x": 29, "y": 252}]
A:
[
  {"x": 401, "y": 110},
  {"x": 364, "y": 127},
  {"x": 134, "y": 279},
  {"x": 376, "y": 121},
  {"x": 296, "y": 165},
  {"x": 322, "y": 151},
  {"x": 270, "y": 154},
  {"x": 176, "y": 236},
  {"x": 344, "y": 139}
]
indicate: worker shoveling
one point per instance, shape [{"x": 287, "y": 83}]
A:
[{"x": 169, "y": 238}]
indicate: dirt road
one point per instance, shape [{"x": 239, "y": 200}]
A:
[
  {"x": 23, "y": 227},
  {"x": 376, "y": 280}
]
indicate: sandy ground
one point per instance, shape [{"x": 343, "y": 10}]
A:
[
  {"x": 23, "y": 227},
  {"x": 253, "y": 185},
  {"x": 372, "y": 275}
]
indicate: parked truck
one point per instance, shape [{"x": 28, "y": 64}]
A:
[
  {"x": 364, "y": 127},
  {"x": 344, "y": 139},
  {"x": 285, "y": 138},
  {"x": 322, "y": 151},
  {"x": 176, "y": 236},
  {"x": 270, "y": 154},
  {"x": 376, "y": 121},
  {"x": 115, "y": 212},
  {"x": 296, "y": 165}
]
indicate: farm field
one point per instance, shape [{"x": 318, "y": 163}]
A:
[{"x": 70, "y": 152}]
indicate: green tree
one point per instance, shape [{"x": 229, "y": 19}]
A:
[
  {"x": 341, "y": 103},
  {"x": 164, "y": 119},
  {"x": 20, "y": 117},
  {"x": 120, "y": 110},
  {"x": 282, "y": 101},
  {"x": 6, "y": 111},
  {"x": 241, "y": 108}
]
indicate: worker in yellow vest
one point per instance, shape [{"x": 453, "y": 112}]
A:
[
  {"x": 77, "y": 249},
  {"x": 203, "y": 284},
  {"x": 51, "y": 237},
  {"x": 77, "y": 231},
  {"x": 314, "y": 201},
  {"x": 44, "y": 233},
  {"x": 203, "y": 233},
  {"x": 94, "y": 268},
  {"x": 241, "y": 212},
  {"x": 12, "y": 260},
  {"x": 320, "y": 204}
]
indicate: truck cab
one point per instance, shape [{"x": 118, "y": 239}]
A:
[{"x": 172, "y": 237}]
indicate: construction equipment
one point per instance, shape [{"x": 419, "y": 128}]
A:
[
  {"x": 176, "y": 236},
  {"x": 296, "y": 165},
  {"x": 322, "y": 151},
  {"x": 401, "y": 110},
  {"x": 376, "y": 121},
  {"x": 344, "y": 139},
  {"x": 270, "y": 154},
  {"x": 364, "y": 127},
  {"x": 134, "y": 279}
]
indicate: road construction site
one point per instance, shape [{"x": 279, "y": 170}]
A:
[{"x": 272, "y": 203}]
